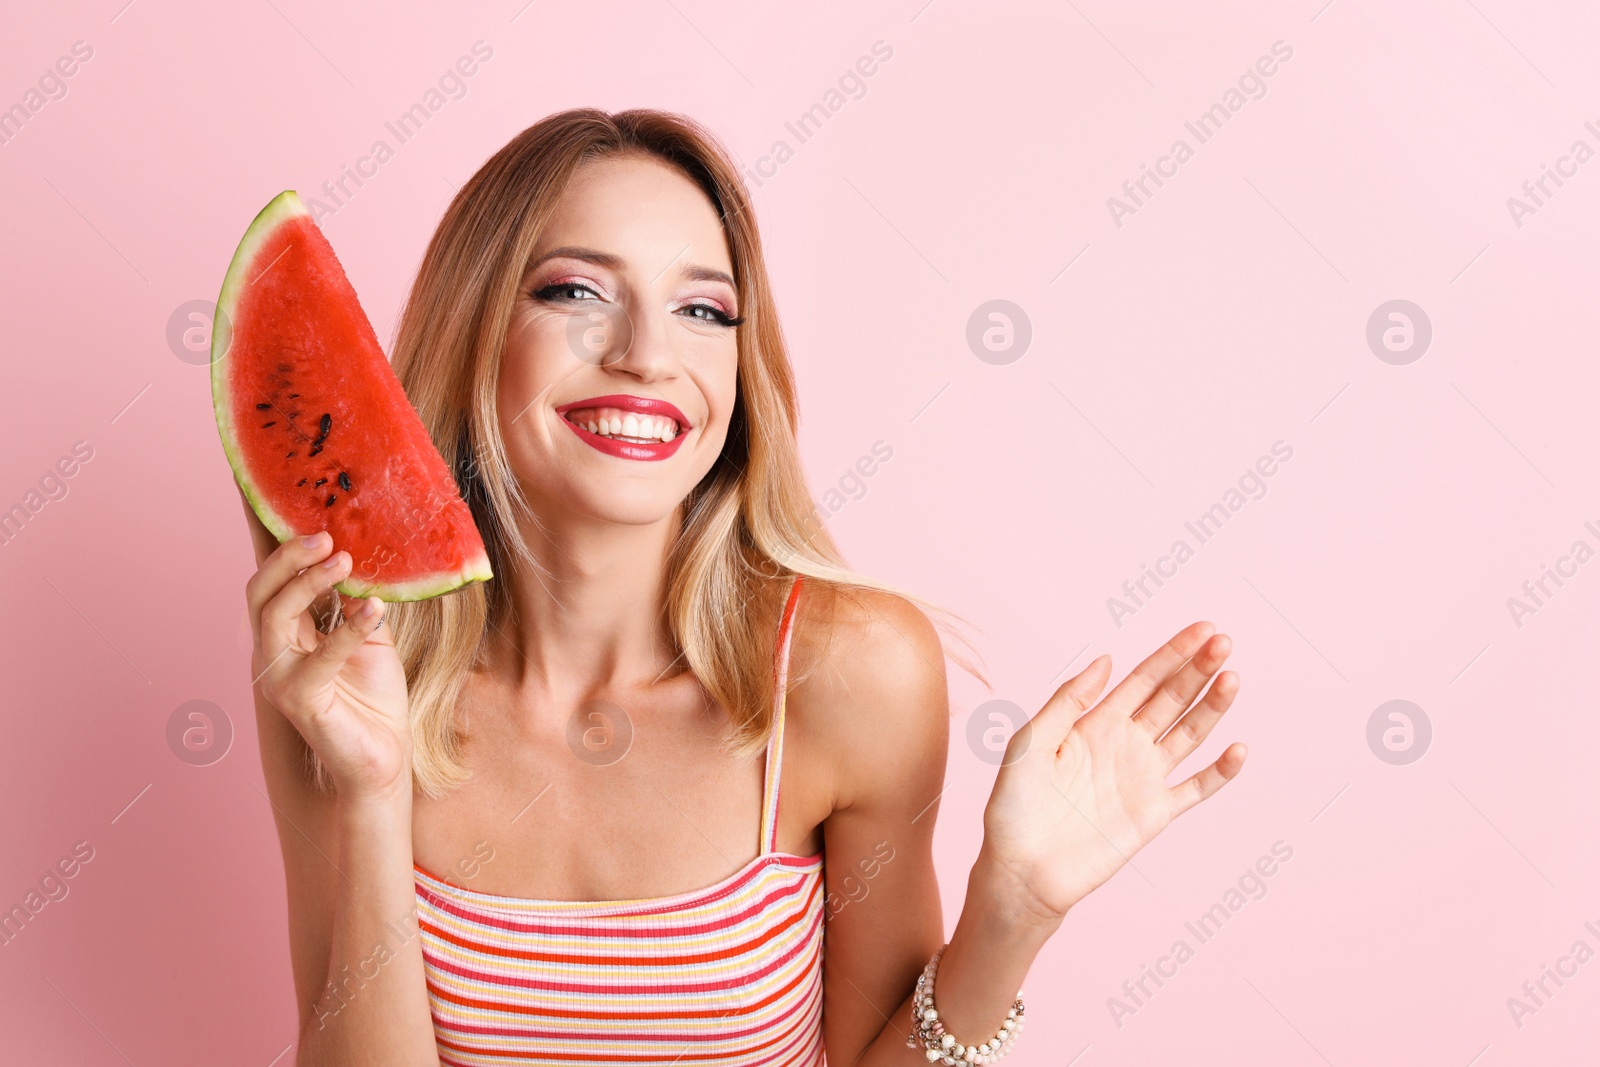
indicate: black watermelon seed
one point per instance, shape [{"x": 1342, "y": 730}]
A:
[
  {"x": 301, "y": 482},
  {"x": 331, "y": 499},
  {"x": 262, "y": 407},
  {"x": 315, "y": 448},
  {"x": 344, "y": 481},
  {"x": 322, "y": 481},
  {"x": 326, "y": 424},
  {"x": 264, "y": 425},
  {"x": 291, "y": 455},
  {"x": 294, "y": 396}
]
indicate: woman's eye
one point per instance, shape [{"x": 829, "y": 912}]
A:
[
  {"x": 578, "y": 293},
  {"x": 707, "y": 313},
  {"x": 564, "y": 291}
]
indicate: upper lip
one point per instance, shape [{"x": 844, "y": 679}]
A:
[{"x": 644, "y": 405}]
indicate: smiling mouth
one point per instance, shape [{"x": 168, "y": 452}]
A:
[{"x": 628, "y": 426}]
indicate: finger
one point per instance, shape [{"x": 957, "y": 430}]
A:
[
  {"x": 361, "y": 619},
  {"x": 1175, "y": 694},
  {"x": 280, "y": 567},
  {"x": 1194, "y": 727},
  {"x": 1205, "y": 782},
  {"x": 1131, "y": 693},
  {"x": 281, "y": 616},
  {"x": 349, "y": 605},
  {"x": 1075, "y": 696}
]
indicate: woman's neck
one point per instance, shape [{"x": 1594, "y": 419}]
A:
[{"x": 590, "y": 616}]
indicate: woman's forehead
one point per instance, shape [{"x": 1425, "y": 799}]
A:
[{"x": 639, "y": 212}]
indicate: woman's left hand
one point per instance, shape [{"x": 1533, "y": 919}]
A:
[{"x": 1080, "y": 791}]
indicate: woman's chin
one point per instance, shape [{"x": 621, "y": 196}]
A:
[{"x": 619, "y": 503}]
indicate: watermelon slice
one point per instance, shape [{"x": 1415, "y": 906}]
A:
[{"x": 318, "y": 429}]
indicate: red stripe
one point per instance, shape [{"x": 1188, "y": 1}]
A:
[
  {"x": 577, "y": 925},
  {"x": 809, "y": 913},
  {"x": 808, "y": 1001},
  {"x": 600, "y": 991},
  {"x": 807, "y": 1031},
  {"x": 797, "y": 1031},
  {"x": 599, "y": 927},
  {"x": 605, "y": 909},
  {"x": 810, "y": 978}
]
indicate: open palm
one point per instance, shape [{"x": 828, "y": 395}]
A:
[{"x": 1081, "y": 791}]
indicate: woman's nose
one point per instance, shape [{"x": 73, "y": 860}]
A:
[
  {"x": 601, "y": 335},
  {"x": 636, "y": 343}
]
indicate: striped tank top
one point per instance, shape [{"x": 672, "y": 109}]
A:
[{"x": 722, "y": 976}]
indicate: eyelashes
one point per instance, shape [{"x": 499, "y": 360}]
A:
[
  {"x": 553, "y": 292},
  {"x": 718, "y": 316},
  {"x": 560, "y": 293}
]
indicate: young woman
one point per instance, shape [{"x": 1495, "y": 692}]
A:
[{"x": 538, "y": 821}]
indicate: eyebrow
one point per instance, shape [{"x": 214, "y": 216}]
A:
[{"x": 613, "y": 262}]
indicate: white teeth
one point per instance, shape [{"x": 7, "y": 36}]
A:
[{"x": 633, "y": 425}]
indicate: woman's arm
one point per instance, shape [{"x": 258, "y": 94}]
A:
[
  {"x": 356, "y": 956},
  {"x": 1078, "y": 794},
  {"x": 870, "y": 699},
  {"x": 878, "y": 701}
]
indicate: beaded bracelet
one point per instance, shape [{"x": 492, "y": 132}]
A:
[{"x": 941, "y": 1047}]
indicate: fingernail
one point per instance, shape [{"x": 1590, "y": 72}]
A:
[
  {"x": 313, "y": 540},
  {"x": 335, "y": 560},
  {"x": 369, "y": 608}
]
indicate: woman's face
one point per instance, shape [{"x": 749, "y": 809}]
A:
[{"x": 620, "y": 369}]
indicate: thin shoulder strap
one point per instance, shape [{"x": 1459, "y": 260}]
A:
[{"x": 774, "y": 769}]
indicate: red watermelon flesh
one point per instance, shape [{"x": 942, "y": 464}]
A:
[{"x": 318, "y": 429}]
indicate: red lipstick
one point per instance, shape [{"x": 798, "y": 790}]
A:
[{"x": 638, "y": 450}]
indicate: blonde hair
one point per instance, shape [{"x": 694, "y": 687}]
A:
[{"x": 747, "y": 527}]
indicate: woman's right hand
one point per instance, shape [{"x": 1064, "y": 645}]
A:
[{"x": 344, "y": 691}]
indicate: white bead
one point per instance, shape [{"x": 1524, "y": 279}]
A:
[
  {"x": 930, "y": 1015},
  {"x": 947, "y": 1041},
  {"x": 1008, "y": 1024},
  {"x": 1012, "y": 1014},
  {"x": 933, "y": 1055}
]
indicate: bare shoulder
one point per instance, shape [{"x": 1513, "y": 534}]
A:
[{"x": 867, "y": 677}]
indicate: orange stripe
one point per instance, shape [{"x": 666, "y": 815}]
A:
[
  {"x": 648, "y": 1057},
  {"x": 632, "y": 1013},
  {"x": 761, "y": 936}
]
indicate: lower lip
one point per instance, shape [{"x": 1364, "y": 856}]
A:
[{"x": 625, "y": 449}]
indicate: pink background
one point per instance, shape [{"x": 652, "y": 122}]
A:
[{"x": 1227, "y": 313}]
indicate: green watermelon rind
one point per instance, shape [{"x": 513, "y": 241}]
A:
[{"x": 284, "y": 207}]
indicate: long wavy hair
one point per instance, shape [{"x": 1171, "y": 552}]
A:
[{"x": 746, "y": 528}]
